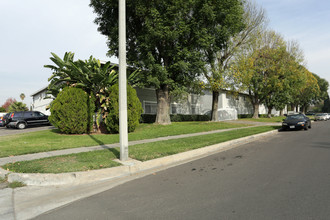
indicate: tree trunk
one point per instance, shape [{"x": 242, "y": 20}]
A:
[
  {"x": 256, "y": 110},
  {"x": 292, "y": 107},
  {"x": 163, "y": 106},
  {"x": 89, "y": 116},
  {"x": 269, "y": 115},
  {"x": 281, "y": 112},
  {"x": 215, "y": 104}
]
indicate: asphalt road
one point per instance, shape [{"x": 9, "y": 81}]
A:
[
  {"x": 285, "y": 176},
  {"x": 10, "y": 131}
]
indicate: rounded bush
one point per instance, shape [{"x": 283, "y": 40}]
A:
[
  {"x": 134, "y": 110},
  {"x": 72, "y": 111}
]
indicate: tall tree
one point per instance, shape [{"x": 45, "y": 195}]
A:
[
  {"x": 219, "y": 54},
  {"x": 17, "y": 106},
  {"x": 89, "y": 75},
  {"x": 166, "y": 37},
  {"x": 8, "y": 102},
  {"x": 324, "y": 86},
  {"x": 309, "y": 92},
  {"x": 288, "y": 67},
  {"x": 260, "y": 69},
  {"x": 22, "y": 96}
]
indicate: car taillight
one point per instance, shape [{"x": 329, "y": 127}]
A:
[{"x": 12, "y": 115}]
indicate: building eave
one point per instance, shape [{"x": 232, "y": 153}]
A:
[{"x": 39, "y": 91}]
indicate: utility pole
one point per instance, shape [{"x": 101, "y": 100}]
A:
[{"x": 123, "y": 131}]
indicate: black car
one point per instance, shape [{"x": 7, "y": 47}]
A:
[
  {"x": 1, "y": 122},
  {"x": 23, "y": 119},
  {"x": 298, "y": 121}
]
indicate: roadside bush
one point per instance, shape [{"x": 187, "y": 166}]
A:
[
  {"x": 179, "y": 117},
  {"x": 147, "y": 118},
  {"x": 72, "y": 110},
  {"x": 17, "y": 106},
  {"x": 245, "y": 115},
  {"x": 251, "y": 115},
  {"x": 134, "y": 110}
]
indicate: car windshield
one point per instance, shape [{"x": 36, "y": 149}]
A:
[
  {"x": 320, "y": 114},
  {"x": 295, "y": 117}
]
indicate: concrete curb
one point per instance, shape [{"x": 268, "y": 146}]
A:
[{"x": 133, "y": 167}]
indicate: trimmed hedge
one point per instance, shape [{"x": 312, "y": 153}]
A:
[
  {"x": 251, "y": 115},
  {"x": 147, "y": 118},
  {"x": 71, "y": 112},
  {"x": 134, "y": 110}
]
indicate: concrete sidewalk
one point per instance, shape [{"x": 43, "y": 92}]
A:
[{"x": 48, "y": 191}]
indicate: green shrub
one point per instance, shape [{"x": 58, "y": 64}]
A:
[
  {"x": 179, "y": 118},
  {"x": 134, "y": 110},
  {"x": 17, "y": 106},
  {"x": 72, "y": 111},
  {"x": 148, "y": 118},
  {"x": 244, "y": 115}
]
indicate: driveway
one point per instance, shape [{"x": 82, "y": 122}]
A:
[{"x": 10, "y": 131}]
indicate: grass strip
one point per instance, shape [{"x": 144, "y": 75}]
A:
[
  {"x": 67, "y": 163},
  {"x": 49, "y": 140},
  {"x": 103, "y": 158},
  {"x": 144, "y": 152}
]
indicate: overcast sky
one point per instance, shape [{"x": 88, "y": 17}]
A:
[{"x": 32, "y": 29}]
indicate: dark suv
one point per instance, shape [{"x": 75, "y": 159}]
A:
[{"x": 23, "y": 119}]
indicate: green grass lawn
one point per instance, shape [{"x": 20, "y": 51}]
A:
[
  {"x": 49, "y": 140},
  {"x": 103, "y": 158}
]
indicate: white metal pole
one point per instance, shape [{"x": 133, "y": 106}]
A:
[{"x": 123, "y": 132}]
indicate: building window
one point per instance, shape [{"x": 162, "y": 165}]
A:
[
  {"x": 150, "y": 107},
  {"x": 175, "y": 108},
  {"x": 194, "y": 109}
]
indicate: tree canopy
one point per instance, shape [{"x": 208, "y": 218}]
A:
[{"x": 167, "y": 39}]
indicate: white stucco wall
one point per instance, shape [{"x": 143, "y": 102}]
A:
[
  {"x": 193, "y": 104},
  {"x": 39, "y": 103}
]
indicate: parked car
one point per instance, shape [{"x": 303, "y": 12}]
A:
[
  {"x": 1, "y": 118},
  {"x": 23, "y": 119},
  {"x": 328, "y": 116},
  {"x": 321, "y": 117},
  {"x": 298, "y": 121}
]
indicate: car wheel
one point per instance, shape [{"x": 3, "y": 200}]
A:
[
  {"x": 310, "y": 125},
  {"x": 21, "y": 126},
  {"x": 306, "y": 128}
]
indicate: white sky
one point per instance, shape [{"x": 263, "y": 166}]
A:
[{"x": 31, "y": 29}]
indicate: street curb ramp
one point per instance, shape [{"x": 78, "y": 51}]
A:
[{"x": 76, "y": 178}]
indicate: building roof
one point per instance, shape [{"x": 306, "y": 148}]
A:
[{"x": 39, "y": 91}]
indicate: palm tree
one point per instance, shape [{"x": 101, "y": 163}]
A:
[
  {"x": 17, "y": 106},
  {"x": 88, "y": 75},
  {"x": 22, "y": 96}
]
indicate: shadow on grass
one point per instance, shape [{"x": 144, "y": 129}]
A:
[
  {"x": 56, "y": 131},
  {"x": 279, "y": 128},
  {"x": 102, "y": 144}
]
